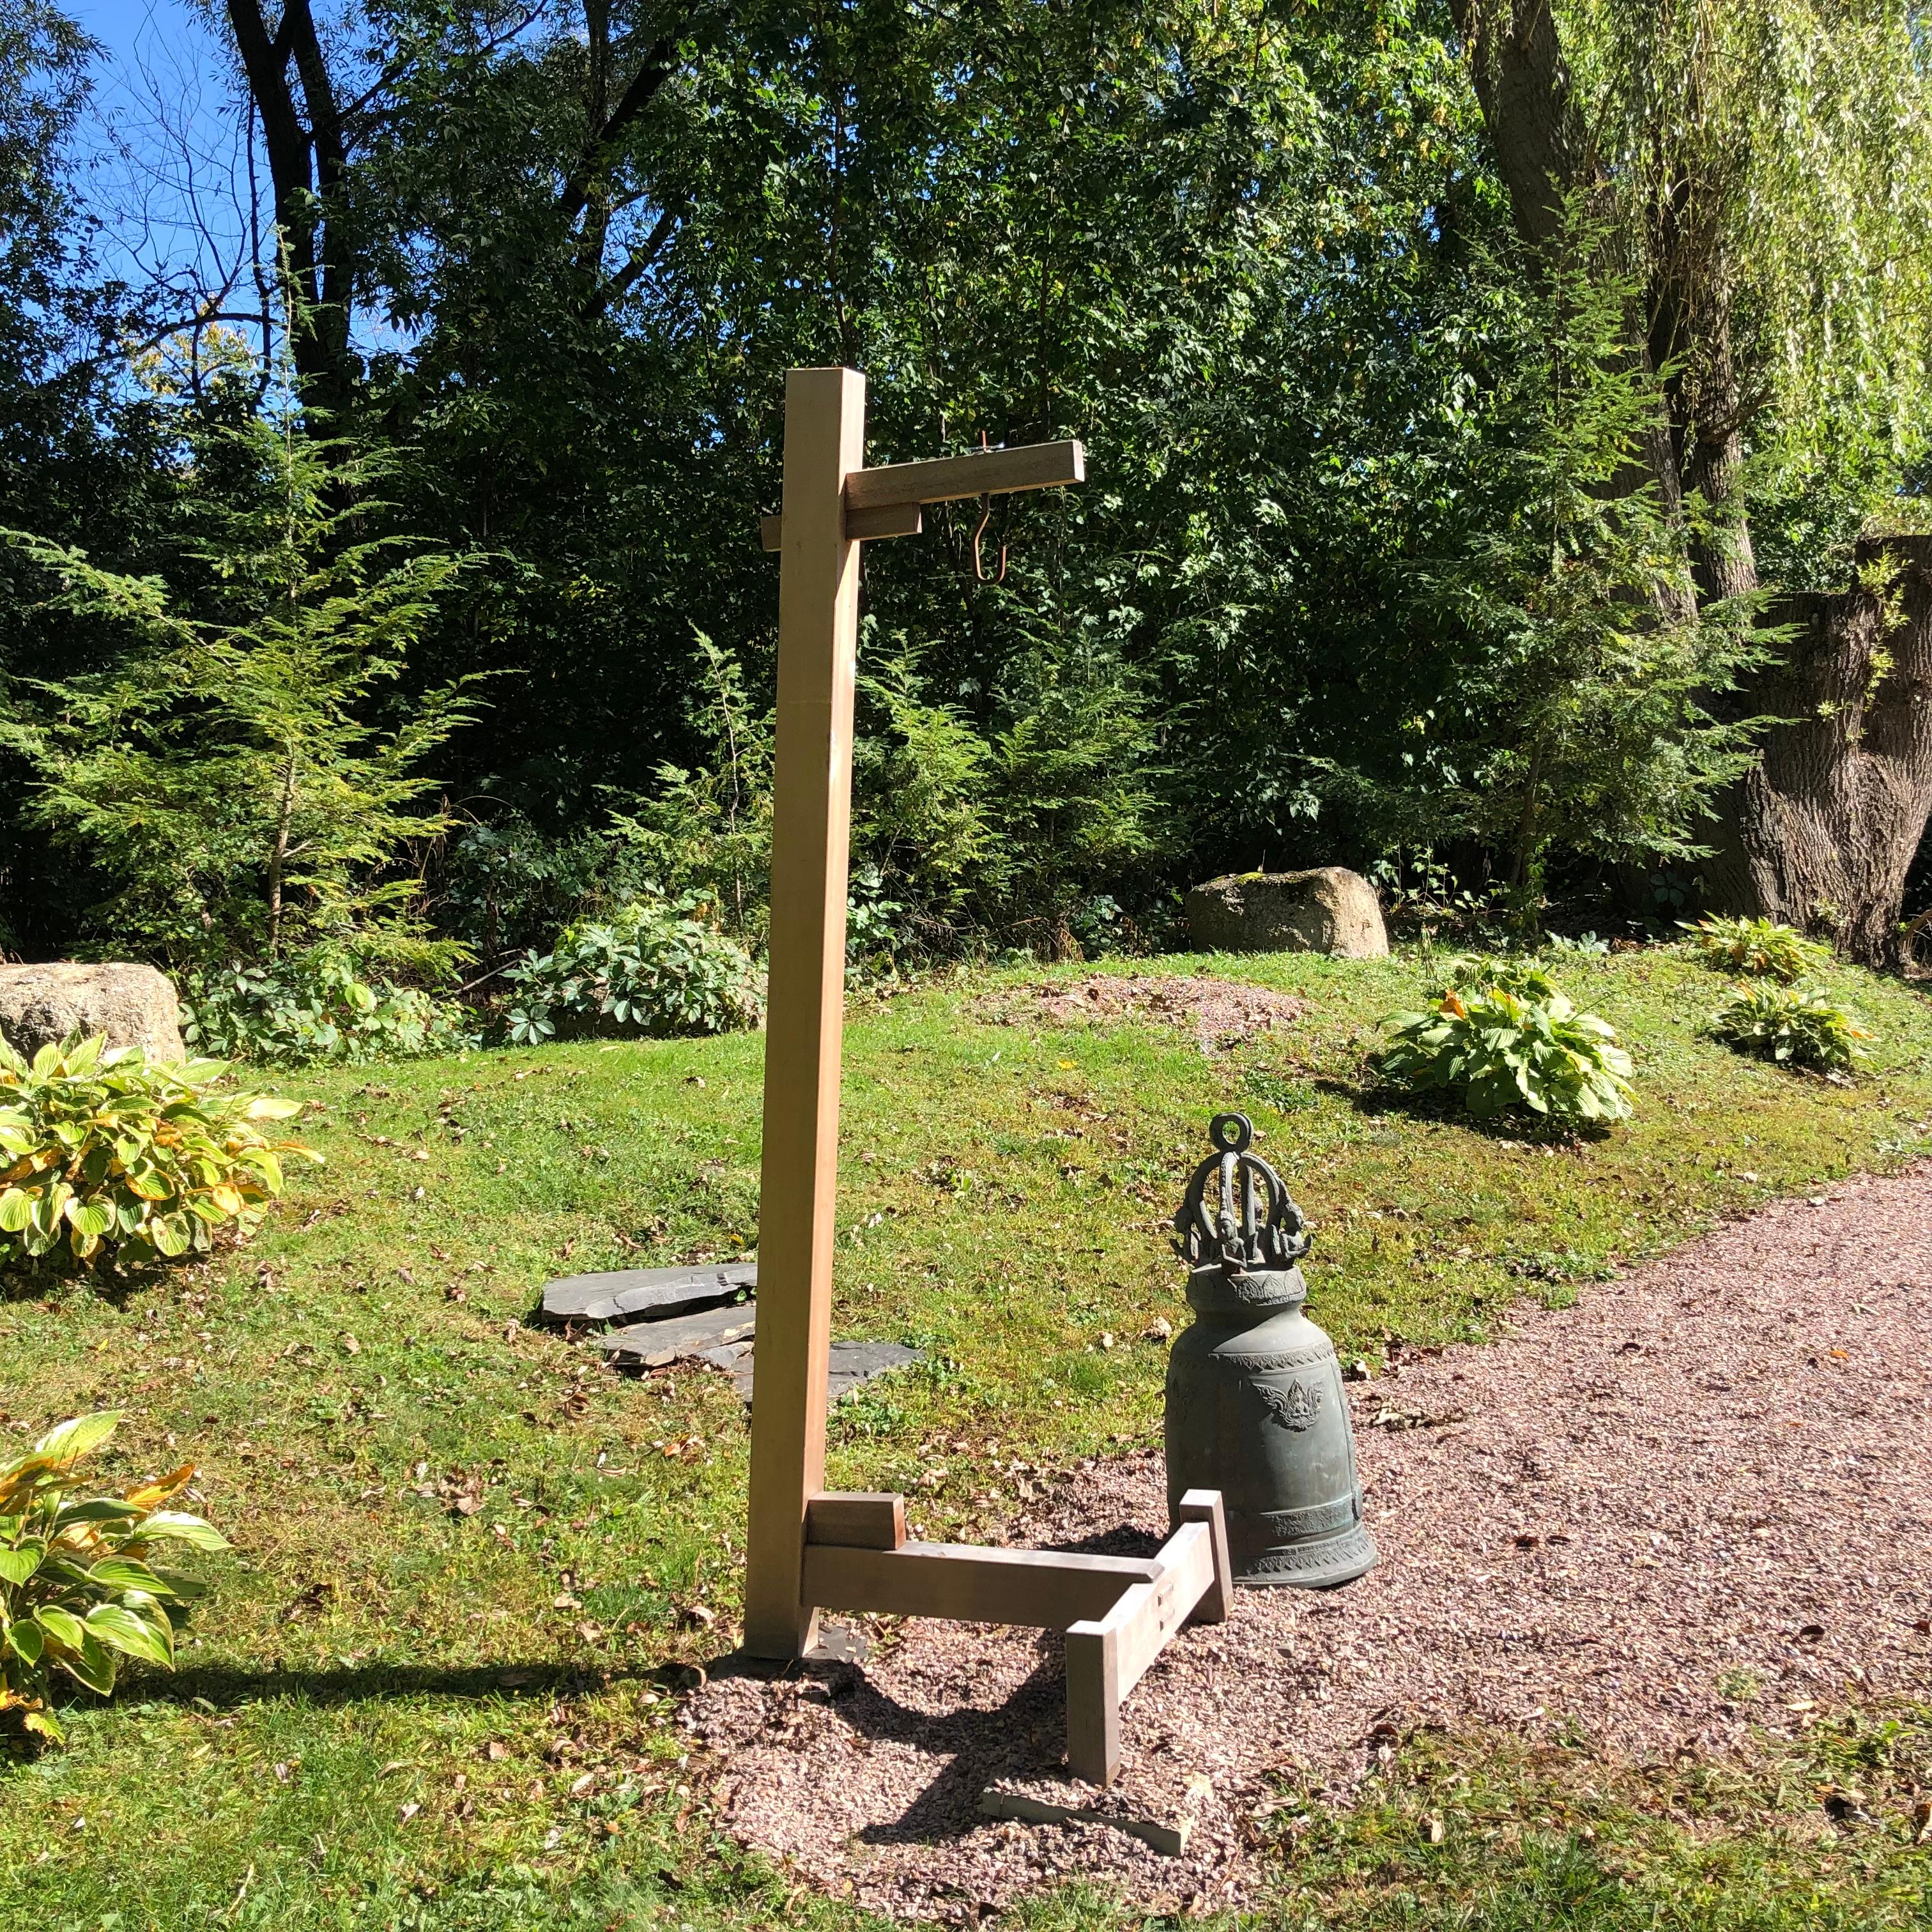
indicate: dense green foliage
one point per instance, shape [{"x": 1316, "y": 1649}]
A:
[
  {"x": 84, "y": 1577},
  {"x": 321, "y": 1004},
  {"x": 1760, "y": 947},
  {"x": 224, "y": 775},
  {"x": 114, "y": 1159},
  {"x": 1796, "y": 1026},
  {"x": 1358, "y": 574},
  {"x": 653, "y": 969},
  {"x": 1501, "y": 1037}
]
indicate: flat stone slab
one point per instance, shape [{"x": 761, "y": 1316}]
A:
[
  {"x": 723, "y": 1337},
  {"x": 648, "y": 1293},
  {"x": 656, "y": 1344},
  {"x": 850, "y": 1363},
  {"x": 856, "y": 1362}
]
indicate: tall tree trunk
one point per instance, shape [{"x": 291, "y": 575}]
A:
[
  {"x": 278, "y": 858},
  {"x": 308, "y": 164},
  {"x": 1543, "y": 152},
  {"x": 1822, "y": 833}
]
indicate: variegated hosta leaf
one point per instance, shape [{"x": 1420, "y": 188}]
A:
[
  {"x": 86, "y": 1135},
  {"x": 119, "y": 1574},
  {"x": 17, "y": 1565},
  {"x": 77, "y": 1589},
  {"x": 121, "y": 1629},
  {"x": 68, "y": 1441},
  {"x": 178, "y": 1527}
]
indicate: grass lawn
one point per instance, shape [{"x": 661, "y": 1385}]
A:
[{"x": 435, "y": 1685}]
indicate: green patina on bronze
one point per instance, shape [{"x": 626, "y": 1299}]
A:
[{"x": 1255, "y": 1403}]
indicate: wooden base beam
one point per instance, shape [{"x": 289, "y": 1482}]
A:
[
  {"x": 1119, "y": 1612},
  {"x": 971, "y": 1584}
]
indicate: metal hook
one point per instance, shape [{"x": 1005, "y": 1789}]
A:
[{"x": 979, "y": 530}]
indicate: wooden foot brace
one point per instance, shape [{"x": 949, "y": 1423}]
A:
[{"x": 1118, "y": 1611}]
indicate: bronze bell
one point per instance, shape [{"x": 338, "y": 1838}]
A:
[{"x": 1254, "y": 1402}]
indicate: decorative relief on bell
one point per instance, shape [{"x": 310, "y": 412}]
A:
[
  {"x": 1255, "y": 1406},
  {"x": 1293, "y": 1407}
]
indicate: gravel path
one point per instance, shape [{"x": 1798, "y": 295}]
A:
[{"x": 1699, "y": 1501}]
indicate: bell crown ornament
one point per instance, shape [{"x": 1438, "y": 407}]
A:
[{"x": 1236, "y": 1214}]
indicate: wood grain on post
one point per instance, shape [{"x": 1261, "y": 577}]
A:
[
  {"x": 1093, "y": 1693},
  {"x": 894, "y": 520},
  {"x": 1204, "y": 1506},
  {"x": 1108, "y": 1655},
  {"x": 818, "y": 626},
  {"x": 1187, "y": 1571},
  {"x": 858, "y": 1519}
]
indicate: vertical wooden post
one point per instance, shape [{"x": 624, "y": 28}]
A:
[{"x": 818, "y": 635}]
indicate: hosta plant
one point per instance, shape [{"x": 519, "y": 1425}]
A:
[
  {"x": 107, "y": 1158},
  {"x": 1510, "y": 1040},
  {"x": 86, "y": 1577},
  {"x": 1527, "y": 978},
  {"x": 1760, "y": 947},
  {"x": 1795, "y": 1026}
]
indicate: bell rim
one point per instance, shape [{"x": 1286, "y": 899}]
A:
[{"x": 1345, "y": 1558}]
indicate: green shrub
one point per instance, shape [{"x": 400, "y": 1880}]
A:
[
  {"x": 1527, "y": 978},
  {"x": 83, "y": 1580},
  {"x": 1502, "y": 1036},
  {"x": 111, "y": 1158},
  {"x": 654, "y": 969},
  {"x": 1761, "y": 947},
  {"x": 1795, "y": 1026},
  {"x": 315, "y": 1006}
]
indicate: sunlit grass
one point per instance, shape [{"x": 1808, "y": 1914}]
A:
[{"x": 365, "y": 1366}]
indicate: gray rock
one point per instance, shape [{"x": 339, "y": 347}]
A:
[
  {"x": 654, "y": 1345},
  {"x": 646, "y": 1293},
  {"x": 856, "y": 1362},
  {"x": 1329, "y": 909},
  {"x": 133, "y": 1005},
  {"x": 851, "y": 1364},
  {"x": 724, "y": 1337}
]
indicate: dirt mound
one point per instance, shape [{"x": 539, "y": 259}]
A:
[{"x": 1219, "y": 1013}]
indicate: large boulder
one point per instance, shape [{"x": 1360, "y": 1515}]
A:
[
  {"x": 1329, "y": 909},
  {"x": 133, "y": 1005}
]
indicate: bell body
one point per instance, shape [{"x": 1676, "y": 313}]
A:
[{"x": 1255, "y": 1409}]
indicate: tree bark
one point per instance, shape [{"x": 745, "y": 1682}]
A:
[
  {"x": 308, "y": 171},
  {"x": 1823, "y": 831}
]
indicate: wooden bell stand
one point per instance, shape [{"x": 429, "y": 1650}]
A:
[{"x": 809, "y": 1549}]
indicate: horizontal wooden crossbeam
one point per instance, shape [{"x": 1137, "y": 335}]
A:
[
  {"x": 888, "y": 501},
  {"x": 995, "y": 472},
  {"x": 1107, "y": 1656},
  {"x": 1118, "y": 1611},
  {"x": 896, "y": 520}
]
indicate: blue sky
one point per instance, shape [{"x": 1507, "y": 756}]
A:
[{"x": 161, "y": 145}]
